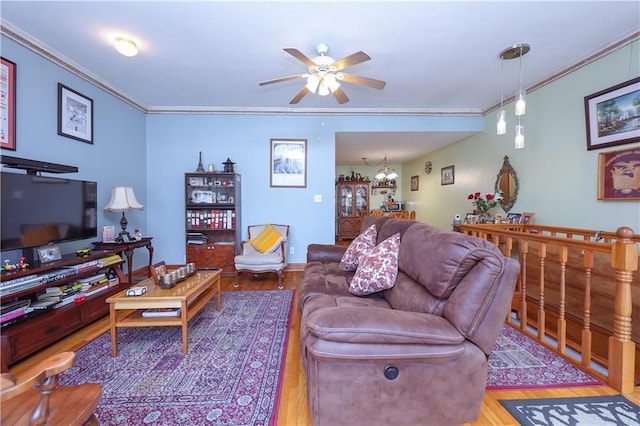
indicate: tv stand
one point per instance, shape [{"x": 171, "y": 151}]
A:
[{"x": 32, "y": 333}]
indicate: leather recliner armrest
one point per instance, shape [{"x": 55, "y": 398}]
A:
[
  {"x": 381, "y": 325},
  {"x": 325, "y": 253}
]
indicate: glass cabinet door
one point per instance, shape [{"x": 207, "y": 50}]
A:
[
  {"x": 361, "y": 198},
  {"x": 346, "y": 201}
]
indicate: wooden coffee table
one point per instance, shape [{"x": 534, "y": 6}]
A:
[{"x": 190, "y": 296}]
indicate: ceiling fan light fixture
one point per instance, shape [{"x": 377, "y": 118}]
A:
[
  {"x": 126, "y": 46},
  {"x": 381, "y": 174},
  {"x": 392, "y": 174},
  {"x": 312, "y": 83}
]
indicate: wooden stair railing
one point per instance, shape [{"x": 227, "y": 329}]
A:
[{"x": 574, "y": 282}]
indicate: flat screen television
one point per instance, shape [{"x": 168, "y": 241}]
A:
[{"x": 39, "y": 210}]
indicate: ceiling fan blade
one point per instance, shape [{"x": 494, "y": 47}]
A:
[
  {"x": 340, "y": 96},
  {"x": 281, "y": 79},
  {"x": 297, "y": 98},
  {"x": 351, "y": 60},
  {"x": 300, "y": 56},
  {"x": 365, "y": 81}
]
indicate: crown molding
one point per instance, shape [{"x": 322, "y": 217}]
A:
[{"x": 40, "y": 48}]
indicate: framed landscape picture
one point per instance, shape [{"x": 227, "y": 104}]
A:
[
  {"x": 289, "y": 163},
  {"x": 613, "y": 115}
]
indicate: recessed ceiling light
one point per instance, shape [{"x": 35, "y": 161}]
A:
[{"x": 126, "y": 46}]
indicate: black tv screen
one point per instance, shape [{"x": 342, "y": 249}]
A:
[{"x": 38, "y": 210}]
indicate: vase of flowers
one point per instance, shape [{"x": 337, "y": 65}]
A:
[{"x": 483, "y": 202}]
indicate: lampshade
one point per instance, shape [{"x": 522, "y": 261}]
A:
[
  {"x": 123, "y": 200},
  {"x": 126, "y": 46},
  {"x": 519, "y": 137}
]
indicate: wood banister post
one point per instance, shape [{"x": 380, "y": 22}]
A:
[{"x": 624, "y": 259}]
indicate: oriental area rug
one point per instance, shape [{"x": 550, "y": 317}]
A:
[
  {"x": 591, "y": 410},
  {"x": 519, "y": 362},
  {"x": 231, "y": 374}
]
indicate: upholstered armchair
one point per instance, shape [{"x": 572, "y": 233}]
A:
[
  {"x": 264, "y": 251},
  {"x": 35, "y": 398}
]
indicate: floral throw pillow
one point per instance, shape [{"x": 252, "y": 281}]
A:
[
  {"x": 378, "y": 270},
  {"x": 359, "y": 247}
]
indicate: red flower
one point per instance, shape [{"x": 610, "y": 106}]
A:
[
  {"x": 489, "y": 197},
  {"x": 470, "y": 197},
  {"x": 477, "y": 195}
]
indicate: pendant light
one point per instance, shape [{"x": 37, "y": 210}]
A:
[
  {"x": 501, "y": 122},
  {"x": 513, "y": 52}
]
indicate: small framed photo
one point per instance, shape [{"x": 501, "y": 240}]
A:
[
  {"x": 288, "y": 163},
  {"x": 527, "y": 218},
  {"x": 447, "y": 175},
  {"x": 415, "y": 180},
  {"x": 49, "y": 254},
  {"x": 471, "y": 219},
  {"x": 158, "y": 270},
  {"x": 611, "y": 117},
  {"x": 8, "y": 105},
  {"x": 514, "y": 217},
  {"x": 618, "y": 175},
  {"x": 75, "y": 115}
]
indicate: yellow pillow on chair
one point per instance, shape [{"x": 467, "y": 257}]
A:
[{"x": 268, "y": 240}]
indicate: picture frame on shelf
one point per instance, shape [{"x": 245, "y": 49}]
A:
[
  {"x": 618, "y": 178},
  {"x": 49, "y": 253},
  {"x": 527, "y": 218},
  {"x": 610, "y": 115},
  {"x": 514, "y": 217},
  {"x": 288, "y": 163},
  {"x": 8, "y": 104},
  {"x": 75, "y": 115},
  {"x": 447, "y": 175},
  {"x": 471, "y": 219},
  {"x": 415, "y": 181}
]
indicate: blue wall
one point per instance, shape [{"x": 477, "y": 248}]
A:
[
  {"x": 174, "y": 140},
  {"x": 117, "y": 155}
]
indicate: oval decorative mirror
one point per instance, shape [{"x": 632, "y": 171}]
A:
[{"x": 507, "y": 183}]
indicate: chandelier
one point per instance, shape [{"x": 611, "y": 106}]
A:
[{"x": 385, "y": 173}]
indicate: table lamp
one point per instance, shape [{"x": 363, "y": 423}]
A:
[{"x": 123, "y": 200}]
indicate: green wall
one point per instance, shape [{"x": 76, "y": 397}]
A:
[{"x": 558, "y": 176}]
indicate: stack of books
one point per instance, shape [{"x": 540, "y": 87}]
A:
[
  {"x": 161, "y": 312},
  {"x": 110, "y": 260},
  {"x": 21, "y": 283},
  {"x": 57, "y": 297},
  {"x": 93, "y": 284},
  {"x": 13, "y": 311},
  {"x": 196, "y": 238}
]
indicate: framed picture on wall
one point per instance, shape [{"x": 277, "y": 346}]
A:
[
  {"x": 7, "y": 104},
  {"x": 612, "y": 116},
  {"x": 447, "y": 175},
  {"x": 288, "y": 163},
  {"x": 415, "y": 182},
  {"x": 75, "y": 115},
  {"x": 619, "y": 175}
]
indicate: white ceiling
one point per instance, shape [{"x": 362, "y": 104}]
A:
[{"x": 437, "y": 57}]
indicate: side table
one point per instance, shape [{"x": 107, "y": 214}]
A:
[{"x": 127, "y": 249}]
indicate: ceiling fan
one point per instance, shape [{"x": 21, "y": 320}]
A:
[{"x": 325, "y": 74}]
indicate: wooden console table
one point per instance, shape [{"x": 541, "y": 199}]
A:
[{"x": 127, "y": 249}]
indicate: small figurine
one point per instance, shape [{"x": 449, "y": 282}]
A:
[
  {"x": 83, "y": 252},
  {"x": 8, "y": 267},
  {"x": 23, "y": 265},
  {"x": 137, "y": 235}
]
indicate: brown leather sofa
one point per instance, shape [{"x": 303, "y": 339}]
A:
[{"x": 415, "y": 354}]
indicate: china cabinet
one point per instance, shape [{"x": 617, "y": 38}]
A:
[{"x": 352, "y": 199}]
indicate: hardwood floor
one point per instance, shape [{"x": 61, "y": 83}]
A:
[{"x": 293, "y": 409}]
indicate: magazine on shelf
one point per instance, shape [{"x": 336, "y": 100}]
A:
[{"x": 161, "y": 312}]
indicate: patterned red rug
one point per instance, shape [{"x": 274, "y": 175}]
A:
[
  {"x": 231, "y": 375},
  {"x": 519, "y": 362}
]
